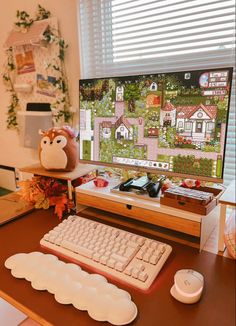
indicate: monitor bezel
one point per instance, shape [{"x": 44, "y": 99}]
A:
[{"x": 154, "y": 170}]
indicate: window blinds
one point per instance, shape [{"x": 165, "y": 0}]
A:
[{"x": 125, "y": 37}]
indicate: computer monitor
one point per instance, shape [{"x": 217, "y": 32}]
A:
[{"x": 171, "y": 123}]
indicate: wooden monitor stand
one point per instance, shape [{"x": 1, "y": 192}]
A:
[{"x": 168, "y": 222}]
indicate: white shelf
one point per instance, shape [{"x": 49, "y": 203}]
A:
[{"x": 106, "y": 193}]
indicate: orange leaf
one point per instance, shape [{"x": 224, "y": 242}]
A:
[{"x": 60, "y": 203}]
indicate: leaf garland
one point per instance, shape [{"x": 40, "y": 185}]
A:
[
  {"x": 24, "y": 21},
  {"x": 61, "y": 106},
  {"x": 42, "y": 13},
  {"x": 7, "y": 79}
]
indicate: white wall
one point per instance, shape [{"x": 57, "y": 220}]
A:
[{"x": 11, "y": 153}]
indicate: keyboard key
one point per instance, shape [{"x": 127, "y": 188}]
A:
[
  {"x": 58, "y": 241},
  {"x": 146, "y": 257},
  {"x": 154, "y": 245},
  {"x": 148, "y": 242},
  {"x": 140, "y": 241},
  {"x": 162, "y": 248},
  {"x": 84, "y": 251},
  {"x": 140, "y": 254},
  {"x": 121, "y": 252},
  {"x": 132, "y": 244},
  {"x": 128, "y": 270},
  {"x": 68, "y": 245},
  {"x": 119, "y": 266},
  {"x": 135, "y": 273},
  {"x": 142, "y": 276},
  {"x": 46, "y": 237},
  {"x": 154, "y": 259},
  {"x": 104, "y": 259},
  {"x": 119, "y": 258},
  {"x": 111, "y": 263},
  {"x": 130, "y": 252},
  {"x": 140, "y": 267},
  {"x": 96, "y": 256}
]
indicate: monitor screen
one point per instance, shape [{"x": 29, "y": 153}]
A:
[{"x": 165, "y": 123}]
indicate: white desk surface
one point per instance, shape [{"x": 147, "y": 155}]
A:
[
  {"x": 13, "y": 206},
  {"x": 229, "y": 196}
]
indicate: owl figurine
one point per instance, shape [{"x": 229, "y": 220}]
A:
[{"x": 58, "y": 149}]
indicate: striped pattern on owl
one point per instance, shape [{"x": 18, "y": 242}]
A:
[{"x": 58, "y": 149}]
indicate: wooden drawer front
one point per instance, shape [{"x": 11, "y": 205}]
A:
[{"x": 149, "y": 216}]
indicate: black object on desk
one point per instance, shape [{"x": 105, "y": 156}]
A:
[{"x": 142, "y": 184}]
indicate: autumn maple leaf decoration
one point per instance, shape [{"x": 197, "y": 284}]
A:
[{"x": 60, "y": 203}]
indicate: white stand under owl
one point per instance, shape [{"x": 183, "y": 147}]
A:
[{"x": 58, "y": 149}]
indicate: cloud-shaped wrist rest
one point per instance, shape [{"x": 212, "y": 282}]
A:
[{"x": 71, "y": 285}]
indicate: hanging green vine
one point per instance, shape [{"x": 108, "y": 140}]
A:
[
  {"x": 24, "y": 21},
  {"x": 7, "y": 79},
  {"x": 42, "y": 13},
  {"x": 61, "y": 106}
]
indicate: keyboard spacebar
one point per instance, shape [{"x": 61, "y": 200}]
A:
[{"x": 77, "y": 248}]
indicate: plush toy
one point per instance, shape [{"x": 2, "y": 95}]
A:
[{"x": 58, "y": 149}]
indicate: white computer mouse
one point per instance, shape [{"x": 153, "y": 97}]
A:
[{"x": 188, "y": 286}]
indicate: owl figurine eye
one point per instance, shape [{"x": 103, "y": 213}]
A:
[
  {"x": 45, "y": 141},
  {"x": 60, "y": 141}
]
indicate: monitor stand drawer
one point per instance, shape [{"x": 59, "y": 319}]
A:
[{"x": 146, "y": 215}]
